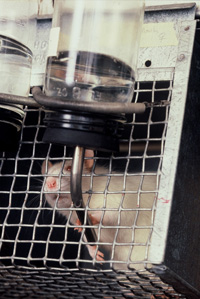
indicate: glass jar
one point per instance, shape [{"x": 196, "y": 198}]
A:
[
  {"x": 93, "y": 49},
  {"x": 17, "y": 28}
]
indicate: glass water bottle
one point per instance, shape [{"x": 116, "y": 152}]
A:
[
  {"x": 93, "y": 49},
  {"x": 17, "y": 28}
]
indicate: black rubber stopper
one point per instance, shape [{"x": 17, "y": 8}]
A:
[
  {"x": 86, "y": 130},
  {"x": 10, "y": 128}
]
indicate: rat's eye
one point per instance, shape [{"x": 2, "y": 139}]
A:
[{"x": 69, "y": 168}]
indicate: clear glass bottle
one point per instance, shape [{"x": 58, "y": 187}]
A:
[
  {"x": 93, "y": 49},
  {"x": 17, "y": 28}
]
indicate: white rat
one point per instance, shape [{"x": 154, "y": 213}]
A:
[{"x": 117, "y": 227}]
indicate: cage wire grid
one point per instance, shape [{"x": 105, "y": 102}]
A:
[{"x": 41, "y": 249}]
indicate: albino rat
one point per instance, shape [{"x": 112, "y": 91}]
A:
[{"x": 117, "y": 227}]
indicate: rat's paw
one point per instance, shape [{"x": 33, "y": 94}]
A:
[
  {"x": 99, "y": 256},
  {"x": 79, "y": 229}
]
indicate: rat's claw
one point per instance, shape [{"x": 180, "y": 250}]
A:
[
  {"x": 79, "y": 229},
  {"x": 99, "y": 256}
]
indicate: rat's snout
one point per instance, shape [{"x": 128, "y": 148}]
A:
[{"x": 51, "y": 183}]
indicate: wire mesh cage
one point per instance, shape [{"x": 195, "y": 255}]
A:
[
  {"x": 43, "y": 249},
  {"x": 37, "y": 235}
]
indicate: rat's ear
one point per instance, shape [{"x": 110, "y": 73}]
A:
[
  {"x": 43, "y": 169},
  {"x": 89, "y": 162}
]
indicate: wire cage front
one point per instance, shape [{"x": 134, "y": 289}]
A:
[
  {"x": 43, "y": 252},
  {"x": 35, "y": 235},
  {"x": 133, "y": 173}
]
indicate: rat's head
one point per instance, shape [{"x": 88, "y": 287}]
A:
[{"x": 57, "y": 181}]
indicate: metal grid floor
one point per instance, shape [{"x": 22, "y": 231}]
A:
[{"x": 40, "y": 284}]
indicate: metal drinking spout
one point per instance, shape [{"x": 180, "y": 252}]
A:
[{"x": 76, "y": 192}]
